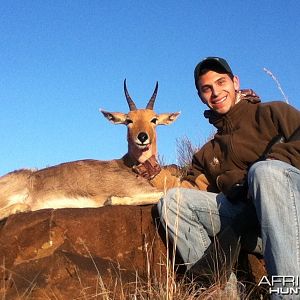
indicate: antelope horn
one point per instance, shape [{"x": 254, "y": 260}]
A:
[
  {"x": 152, "y": 99},
  {"x": 128, "y": 98}
]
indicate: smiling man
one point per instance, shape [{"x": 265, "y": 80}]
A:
[
  {"x": 244, "y": 180},
  {"x": 217, "y": 89}
]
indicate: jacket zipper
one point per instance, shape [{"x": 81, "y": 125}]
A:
[{"x": 234, "y": 156}]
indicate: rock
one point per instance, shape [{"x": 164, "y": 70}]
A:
[
  {"x": 250, "y": 270},
  {"x": 257, "y": 268},
  {"x": 79, "y": 253}
]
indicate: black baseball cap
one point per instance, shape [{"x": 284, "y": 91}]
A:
[{"x": 212, "y": 63}]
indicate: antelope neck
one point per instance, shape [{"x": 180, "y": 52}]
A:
[{"x": 129, "y": 161}]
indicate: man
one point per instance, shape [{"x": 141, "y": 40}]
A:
[{"x": 243, "y": 169}]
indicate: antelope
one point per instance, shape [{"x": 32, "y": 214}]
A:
[{"x": 91, "y": 183}]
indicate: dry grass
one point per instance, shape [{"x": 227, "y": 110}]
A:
[
  {"x": 173, "y": 289},
  {"x": 277, "y": 83},
  {"x": 185, "y": 151}
]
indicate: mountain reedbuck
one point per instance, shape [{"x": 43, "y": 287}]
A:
[{"x": 91, "y": 183}]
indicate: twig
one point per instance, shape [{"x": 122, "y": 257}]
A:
[{"x": 278, "y": 84}]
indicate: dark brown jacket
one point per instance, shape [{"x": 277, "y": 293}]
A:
[{"x": 243, "y": 135}]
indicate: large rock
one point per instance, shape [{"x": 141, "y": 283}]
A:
[
  {"x": 81, "y": 253},
  {"x": 78, "y": 253}
]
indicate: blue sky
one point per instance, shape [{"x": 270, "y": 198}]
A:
[{"x": 60, "y": 61}]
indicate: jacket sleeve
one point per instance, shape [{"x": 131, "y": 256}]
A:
[{"x": 286, "y": 119}]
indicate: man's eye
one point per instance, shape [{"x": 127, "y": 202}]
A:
[
  {"x": 205, "y": 89},
  {"x": 221, "y": 82}
]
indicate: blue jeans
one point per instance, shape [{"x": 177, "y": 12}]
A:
[
  {"x": 193, "y": 217},
  {"x": 274, "y": 187}
]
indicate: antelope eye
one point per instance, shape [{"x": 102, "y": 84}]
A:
[
  {"x": 154, "y": 120},
  {"x": 128, "y": 121}
]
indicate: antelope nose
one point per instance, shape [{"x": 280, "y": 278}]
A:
[{"x": 142, "y": 136}]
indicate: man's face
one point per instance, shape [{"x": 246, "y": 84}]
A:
[{"x": 218, "y": 91}]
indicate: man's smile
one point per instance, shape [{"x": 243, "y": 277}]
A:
[{"x": 218, "y": 101}]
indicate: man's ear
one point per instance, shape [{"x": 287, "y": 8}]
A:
[
  {"x": 167, "y": 118},
  {"x": 236, "y": 83},
  {"x": 114, "y": 117}
]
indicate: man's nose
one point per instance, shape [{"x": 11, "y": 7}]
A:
[{"x": 215, "y": 91}]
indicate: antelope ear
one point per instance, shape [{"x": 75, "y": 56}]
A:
[
  {"x": 167, "y": 118},
  {"x": 114, "y": 117}
]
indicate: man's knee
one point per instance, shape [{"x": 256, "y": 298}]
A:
[
  {"x": 258, "y": 170},
  {"x": 264, "y": 171},
  {"x": 267, "y": 171},
  {"x": 262, "y": 175}
]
